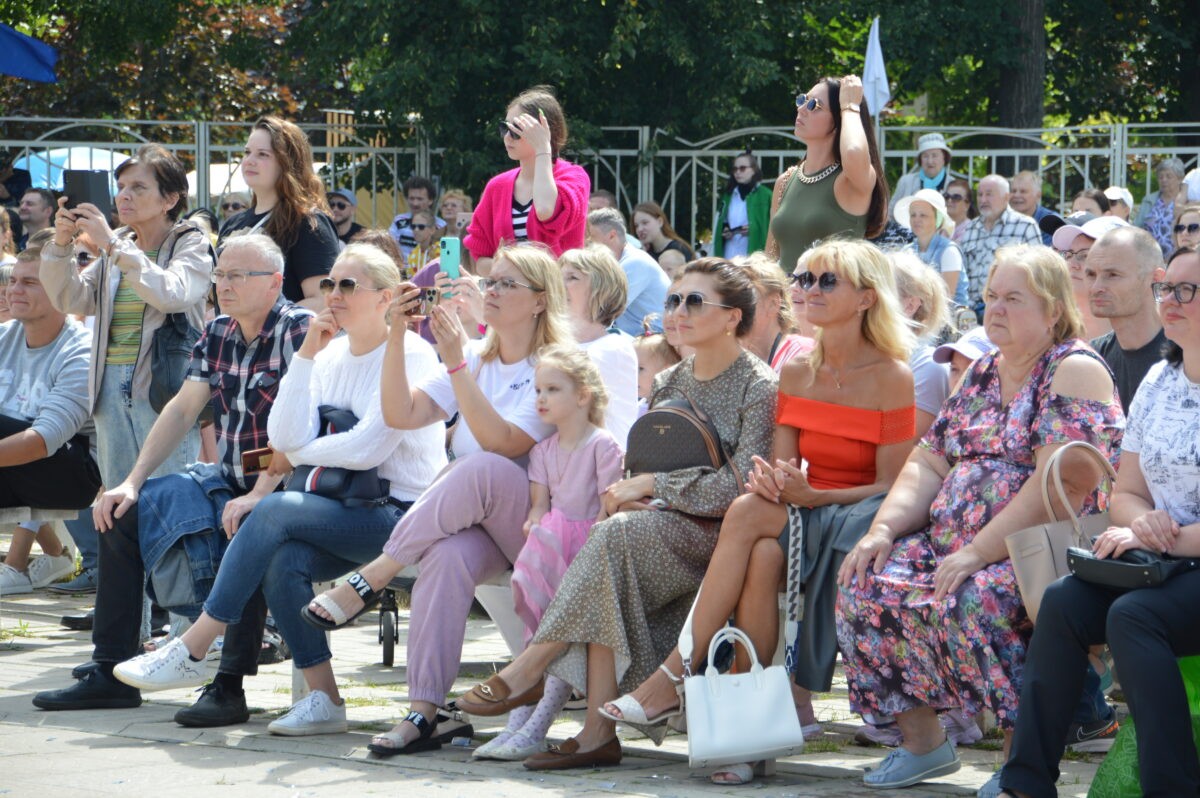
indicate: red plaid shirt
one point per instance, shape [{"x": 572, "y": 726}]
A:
[{"x": 244, "y": 377}]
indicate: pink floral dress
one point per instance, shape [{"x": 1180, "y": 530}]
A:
[{"x": 902, "y": 649}]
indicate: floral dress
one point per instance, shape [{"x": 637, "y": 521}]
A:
[{"x": 901, "y": 648}]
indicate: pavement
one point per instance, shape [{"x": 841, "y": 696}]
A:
[{"x": 143, "y": 752}]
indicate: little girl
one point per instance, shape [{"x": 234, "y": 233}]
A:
[
  {"x": 567, "y": 474},
  {"x": 654, "y": 354}
]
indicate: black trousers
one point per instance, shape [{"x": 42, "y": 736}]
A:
[
  {"x": 1147, "y": 631},
  {"x": 119, "y": 606},
  {"x": 66, "y": 480}
]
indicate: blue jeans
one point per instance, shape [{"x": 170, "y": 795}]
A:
[
  {"x": 289, "y": 541},
  {"x": 87, "y": 539},
  {"x": 122, "y": 424}
]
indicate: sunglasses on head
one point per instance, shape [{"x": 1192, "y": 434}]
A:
[
  {"x": 811, "y": 103},
  {"x": 826, "y": 282},
  {"x": 1183, "y": 292},
  {"x": 347, "y": 286},
  {"x": 232, "y": 206},
  {"x": 691, "y": 303},
  {"x": 1194, "y": 227},
  {"x": 508, "y": 130}
]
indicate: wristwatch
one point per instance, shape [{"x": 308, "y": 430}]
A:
[{"x": 852, "y": 107}]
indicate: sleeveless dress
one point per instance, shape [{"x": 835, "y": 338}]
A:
[
  {"x": 808, "y": 213},
  {"x": 901, "y": 648}
]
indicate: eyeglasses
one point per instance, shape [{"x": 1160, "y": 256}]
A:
[
  {"x": 743, "y": 168},
  {"x": 1194, "y": 227},
  {"x": 811, "y": 103},
  {"x": 1183, "y": 292},
  {"x": 826, "y": 282},
  {"x": 1076, "y": 254},
  {"x": 503, "y": 285},
  {"x": 347, "y": 286},
  {"x": 955, "y": 197},
  {"x": 339, "y": 206},
  {"x": 507, "y": 130},
  {"x": 235, "y": 278},
  {"x": 691, "y": 303},
  {"x": 419, "y": 226},
  {"x": 232, "y": 206}
]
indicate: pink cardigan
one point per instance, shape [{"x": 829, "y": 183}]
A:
[{"x": 492, "y": 225}]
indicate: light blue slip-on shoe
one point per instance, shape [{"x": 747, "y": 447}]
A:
[
  {"x": 992, "y": 789},
  {"x": 903, "y": 768}
]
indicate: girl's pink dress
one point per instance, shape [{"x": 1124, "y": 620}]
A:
[{"x": 575, "y": 479}]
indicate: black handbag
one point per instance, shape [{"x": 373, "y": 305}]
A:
[
  {"x": 352, "y": 488},
  {"x": 673, "y": 435},
  {"x": 1136, "y": 568}
]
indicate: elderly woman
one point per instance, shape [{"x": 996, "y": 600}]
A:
[
  {"x": 624, "y": 598},
  {"x": 151, "y": 267},
  {"x": 773, "y": 338},
  {"x": 933, "y": 158},
  {"x": 929, "y": 616},
  {"x": 1187, "y": 227},
  {"x": 745, "y": 210},
  {"x": 1153, "y": 508},
  {"x": 1157, "y": 211},
  {"x": 925, "y": 214}
]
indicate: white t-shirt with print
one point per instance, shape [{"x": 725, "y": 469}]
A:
[{"x": 1163, "y": 430}]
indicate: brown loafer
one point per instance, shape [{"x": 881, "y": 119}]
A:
[
  {"x": 568, "y": 756},
  {"x": 493, "y": 698}
]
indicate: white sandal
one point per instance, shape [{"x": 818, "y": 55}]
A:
[
  {"x": 743, "y": 772},
  {"x": 633, "y": 714}
]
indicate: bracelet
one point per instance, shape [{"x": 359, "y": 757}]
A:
[{"x": 457, "y": 368}]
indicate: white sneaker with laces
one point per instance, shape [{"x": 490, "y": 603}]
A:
[
  {"x": 45, "y": 570},
  {"x": 13, "y": 581},
  {"x": 314, "y": 714},
  {"x": 166, "y": 668}
]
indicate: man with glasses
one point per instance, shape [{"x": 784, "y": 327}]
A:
[
  {"x": 342, "y": 207},
  {"x": 176, "y": 527},
  {"x": 1027, "y": 199}
]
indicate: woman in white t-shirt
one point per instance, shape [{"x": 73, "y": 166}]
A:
[
  {"x": 467, "y": 527},
  {"x": 597, "y": 291}
]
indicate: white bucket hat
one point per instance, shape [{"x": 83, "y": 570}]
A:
[
  {"x": 933, "y": 141},
  {"x": 926, "y": 195}
]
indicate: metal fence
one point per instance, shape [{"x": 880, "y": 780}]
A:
[{"x": 635, "y": 163}]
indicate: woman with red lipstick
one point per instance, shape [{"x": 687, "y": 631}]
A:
[{"x": 839, "y": 188}]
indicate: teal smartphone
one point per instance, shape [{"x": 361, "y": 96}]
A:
[{"x": 451, "y": 259}]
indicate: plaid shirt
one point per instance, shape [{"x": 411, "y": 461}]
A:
[
  {"x": 244, "y": 377},
  {"x": 979, "y": 245}
]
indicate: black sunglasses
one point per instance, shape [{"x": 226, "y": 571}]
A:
[
  {"x": 339, "y": 206},
  {"x": 950, "y": 197},
  {"x": 826, "y": 282},
  {"x": 508, "y": 130},
  {"x": 1183, "y": 292},
  {"x": 1194, "y": 227},
  {"x": 347, "y": 286},
  {"x": 692, "y": 302},
  {"x": 232, "y": 206},
  {"x": 811, "y": 103},
  {"x": 419, "y": 226}
]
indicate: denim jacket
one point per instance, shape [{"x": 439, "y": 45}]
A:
[{"x": 179, "y": 531}]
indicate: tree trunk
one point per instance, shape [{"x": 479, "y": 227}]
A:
[{"x": 1022, "y": 91}]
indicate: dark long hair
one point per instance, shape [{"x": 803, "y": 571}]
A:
[
  {"x": 877, "y": 214},
  {"x": 732, "y": 183},
  {"x": 1172, "y": 351},
  {"x": 301, "y": 193},
  {"x": 733, "y": 285}
]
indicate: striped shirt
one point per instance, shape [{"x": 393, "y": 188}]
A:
[
  {"x": 520, "y": 219},
  {"x": 125, "y": 329},
  {"x": 244, "y": 377}
]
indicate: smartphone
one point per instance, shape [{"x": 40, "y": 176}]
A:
[
  {"x": 425, "y": 302},
  {"x": 256, "y": 460},
  {"x": 451, "y": 259},
  {"x": 463, "y": 221},
  {"x": 87, "y": 185}
]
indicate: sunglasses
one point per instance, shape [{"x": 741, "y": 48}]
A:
[
  {"x": 955, "y": 197},
  {"x": 339, "y": 206},
  {"x": 826, "y": 282},
  {"x": 1194, "y": 227},
  {"x": 811, "y": 103},
  {"x": 691, "y": 303},
  {"x": 508, "y": 130},
  {"x": 232, "y": 206},
  {"x": 347, "y": 286},
  {"x": 419, "y": 226},
  {"x": 1183, "y": 292}
]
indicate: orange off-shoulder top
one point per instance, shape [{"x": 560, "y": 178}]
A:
[{"x": 839, "y": 442}]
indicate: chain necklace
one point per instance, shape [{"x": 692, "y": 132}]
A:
[{"x": 819, "y": 176}]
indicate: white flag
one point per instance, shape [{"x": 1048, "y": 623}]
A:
[{"x": 875, "y": 82}]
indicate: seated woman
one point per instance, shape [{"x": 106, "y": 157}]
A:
[
  {"x": 294, "y": 538},
  {"x": 1147, "y": 630},
  {"x": 924, "y": 303},
  {"x": 466, "y": 528},
  {"x": 622, "y": 601},
  {"x": 773, "y": 337},
  {"x": 847, "y": 409},
  {"x": 929, "y": 617}
]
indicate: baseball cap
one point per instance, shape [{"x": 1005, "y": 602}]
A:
[
  {"x": 1119, "y": 194},
  {"x": 973, "y": 344},
  {"x": 345, "y": 194},
  {"x": 1093, "y": 228}
]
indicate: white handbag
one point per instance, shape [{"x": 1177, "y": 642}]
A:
[{"x": 737, "y": 717}]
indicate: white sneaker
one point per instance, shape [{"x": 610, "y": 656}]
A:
[
  {"x": 314, "y": 714},
  {"x": 44, "y": 570},
  {"x": 13, "y": 581},
  {"x": 166, "y": 668}
]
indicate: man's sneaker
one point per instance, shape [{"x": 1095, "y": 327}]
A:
[
  {"x": 165, "y": 669},
  {"x": 13, "y": 581},
  {"x": 887, "y": 734},
  {"x": 45, "y": 569},
  {"x": 216, "y": 706},
  {"x": 1093, "y": 737},
  {"x": 82, "y": 584},
  {"x": 960, "y": 728},
  {"x": 314, "y": 714},
  {"x": 96, "y": 690}
]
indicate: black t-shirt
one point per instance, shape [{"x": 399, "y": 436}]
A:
[
  {"x": 355, "y": 227},
  {"x": 678, "y": 247},
  {"x": 311, "y": 256},
  {"x": 1129, "y": 366}
]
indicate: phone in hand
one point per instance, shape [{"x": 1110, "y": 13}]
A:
[
  {"x": 451, "y": 260},
  {"x": 87, "y": 185},
  {"x": 256, "y": 460},
  {"x": 425, "y": 302},
  {"x": 463, "y": 221}
]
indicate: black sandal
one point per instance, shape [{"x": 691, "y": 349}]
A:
[
  {"x": 426, "y": 742},
  {"x": 361, "y": 587}
]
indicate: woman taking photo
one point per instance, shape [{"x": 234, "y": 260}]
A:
[
  {"x": 925, "y": 214},
  {"x": 657, "y": 236},
  {"x": 545, "y": 199},
  {"x": 839, "y": 188},
  {"x": 153, "y": 266},
  {"x": 288, "y": 204},
  {"x": 745, "y": 211}
]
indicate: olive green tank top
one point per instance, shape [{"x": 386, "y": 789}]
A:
[{"x": 809, "y": 212}]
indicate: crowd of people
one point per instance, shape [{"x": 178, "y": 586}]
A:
[{"x": 356, "y": 401}]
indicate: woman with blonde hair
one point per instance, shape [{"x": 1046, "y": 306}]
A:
[
  {"x": 773, "y": 337},
  {"x": 923, "y": 300},
  {"x": 466, "y": 527},
  {"x": 455, "y": 207}
]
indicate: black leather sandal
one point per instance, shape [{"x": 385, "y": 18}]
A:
[{"x": 426, "y": 742}]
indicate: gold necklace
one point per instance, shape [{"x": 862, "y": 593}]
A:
[{"x": 819, "y": 176}]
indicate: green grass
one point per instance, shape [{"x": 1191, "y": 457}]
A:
[{"x": 20, "y": 630}]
